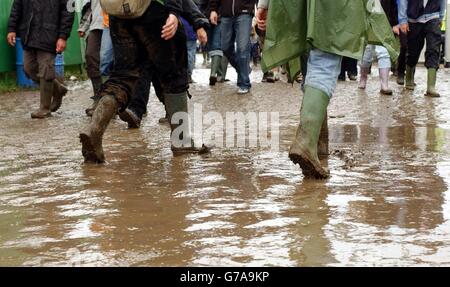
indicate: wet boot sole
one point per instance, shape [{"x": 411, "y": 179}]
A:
[
  {"x": 181, "y": 151},
  {"x": 309, "y": 169},
  {"x": 432, "y": 95},
  {"x": 88, "y": 150},
  {"x": 132, "y": 122}
]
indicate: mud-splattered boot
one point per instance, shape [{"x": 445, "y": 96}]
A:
[
  {"x": 363, "y": 78},
  {"x": 96, "y": 86},
  {"x": 91, "y": 137},
  {"x": 59, "y": 91},
  {"x": 431, "y": 84},
  {"x": 409, "y": 78},
  {"x": 222, "y": 73},
  {"x": 215, "y": 66},
  {"x": 322, "y": 147},
  {"x": 46, "y": 90},
  {"x": 303, "y": 150},
  {"x": 181, "y": 139},
  {"x": 384, "y": 79}
]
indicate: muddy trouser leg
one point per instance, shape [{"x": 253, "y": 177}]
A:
[
  {"x": 116, "y": 91},
  {"x": 139, "y": 100},
  {"x": 433, "y": 38},
  {"x": 401, "y": 65},
  {"x": 416, "y": 42},
  {"x": 320, "y": 82},
  {"x": 93, "y": 46}
]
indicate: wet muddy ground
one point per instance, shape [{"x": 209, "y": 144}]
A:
[{"x": 386, "y": 203}]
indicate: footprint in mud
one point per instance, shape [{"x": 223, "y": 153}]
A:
[{"x": 350, "y": 158}]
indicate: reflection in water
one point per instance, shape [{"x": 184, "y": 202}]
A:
[{"x": 387, "y": 202}]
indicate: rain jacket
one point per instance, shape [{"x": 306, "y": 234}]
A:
[{"x": 341, "y": 27}]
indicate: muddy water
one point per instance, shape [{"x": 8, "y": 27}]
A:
[{"x": 387, "y": 201}]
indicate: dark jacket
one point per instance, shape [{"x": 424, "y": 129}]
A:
[
  {"x": 416, "y": 9},
  {"x": 240, "y": 7},
  {"x": 40, "y": 23},
  {"x": 192, "y": 14},
  {"x": 390, "y": 8}
]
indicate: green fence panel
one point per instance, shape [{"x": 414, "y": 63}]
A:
[
  {"x": 7, "y": 54},
  {"x": 73, "y": 54}
]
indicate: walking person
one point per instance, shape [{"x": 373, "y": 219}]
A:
[
  {"x": 421, "y": 20},
  {"x": 91, "y": 26},
  {"x": 236, "y": 17},
  {"x": 44, "y": 27},
  {"x": 154, "y": 33},
  {"x": 289, "y": 42}
]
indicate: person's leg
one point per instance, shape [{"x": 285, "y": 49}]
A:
[
  {"x": 215, "y": 52},
  {"x": 320, "y": 83},
  {"x": 416, "y": 41},
  {"x": 115, "y": 92},
  {"x": 433, "y": 37},
  {"x": 384, "y": 68},
  {"x": 192, "y": 51},
  {"x": 341, "y": 76},
  {"x": 93, "y": 47},
  {"x": 365, "y": 65},
  {"x": 352, "y": 69},
  {"x": 243, "y": 25},
  {"x": 227, "y": 39},
  {"x": 46, "y": 76},
  {"x": 401, "y": 62},
  {"x": 106, "y": 53}
]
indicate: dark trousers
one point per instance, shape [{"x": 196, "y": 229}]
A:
[
  {"x": 401, "y": 63},
  {"x": 139, "y": 100},
  {"x": 418, "y": 33},
  {"x": 93, "y": 46},
  {"x": 350, "y": 66},
  {"x": 39, "y": 65},
  {"x": 135, "y": 39}
]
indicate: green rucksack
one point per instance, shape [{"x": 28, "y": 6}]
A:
[{"x": 127, "y": 9}]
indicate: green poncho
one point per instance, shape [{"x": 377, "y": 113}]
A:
[{"x": 342, "y": 27}]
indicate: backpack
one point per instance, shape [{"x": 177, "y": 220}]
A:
[{"x": 127, "y": 9}]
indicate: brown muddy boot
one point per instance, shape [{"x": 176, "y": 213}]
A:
[
  {"x": 91, "y": 137},
  {"x": 59, "y": 91},
  {"x": 181, "y": 140},
  {"x": 46, "y": 89},
  {"x": 384, "y": 79},
  {"x": 363, "y": 78},
  {"x": 322, "y": 148},
  {"x": 96, "y": 86},
  {"x": 303, "y": 150}
]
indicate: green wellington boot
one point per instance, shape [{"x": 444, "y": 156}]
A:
[
  {"x": 91, "y": 137},
  {"x": 46, "y": 91},
  {"x": 215, "y": 66},
  {"x": 322, "y": 147},
  {"x": 409, "y": 78},
  {"x": 184, "y": 143},
  {"x": 221, "y": 75},
  {"x": 303, "y": 150},
  {"x": 59, "y": 91},
  {"x": 431, "y": 84}
]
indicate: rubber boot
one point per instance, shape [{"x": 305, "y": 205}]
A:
[
  {"x": 46, "y": 90},
  {"x": 322, "y": 147},
  {"x": 221, "y": 76},
  {"x": 91, "y": 137},
  {"x": 431, "y": 84},
  {"x": 384, "y": 79},
  {"x": 215, "y": 66},
  {"x": 59, "y": 91},
  {"x": 409, "y": 78},
  {"x": 363, "y": 78},
  {"x": 178, "y": 103},
  {"x": 303, "y": 150},
  {"x": 401, "y": 79},
  {"x": 96, "y": 86}
]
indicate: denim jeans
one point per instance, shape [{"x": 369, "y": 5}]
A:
[
  {"x": 237, "y": 30},
  {"x": 106, "y": 53},
  {"x": 192, "y": 51},
  {"x": 384, "y": 60},
  {"x": 323, "y": 71},
  {"x": 214, "y": 45}
]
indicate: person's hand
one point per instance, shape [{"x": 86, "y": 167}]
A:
[
  {"x": 396, "y": 30},
  {"x": 170, "y": 28},
  {"x": 213, "y": 17},
  {"x": 61, "y": 45},
  {"x": 11, "y": 38},
  {"x": 261, "y": 16},
  {"x": 202, "y": 36},
  {"x": 404, "y": 28},
  {"x": 81, "y": 34}
]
